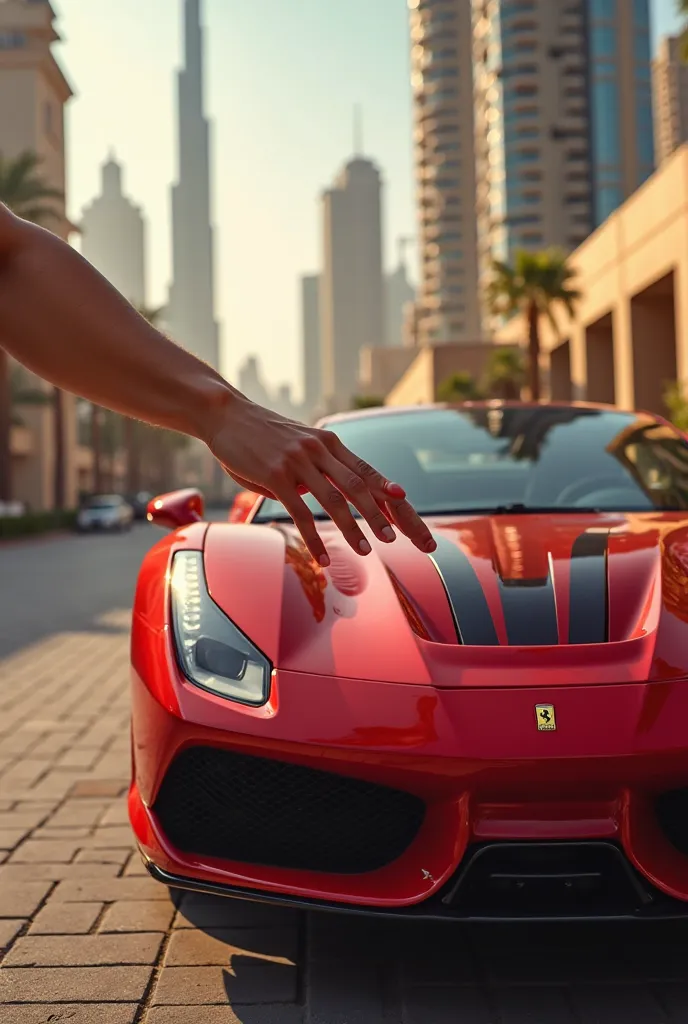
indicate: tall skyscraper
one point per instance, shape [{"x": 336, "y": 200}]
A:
[
  {"x": 113, "y": 236},
  {"x": 442, "y": 80},
  {"x": 191, "y": 307},
  {"x": 310, "y": 339},
  {"x": 399, "y": 292},
  {"x": 352, "y": 287},
  {"x": 670, "y": 87},
  {"x": 564, "y": 118}
]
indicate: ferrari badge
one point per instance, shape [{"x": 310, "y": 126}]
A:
[{"x": 545, "y": 717}]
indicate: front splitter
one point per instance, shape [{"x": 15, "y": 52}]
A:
[{"x": 656, "y": 906}]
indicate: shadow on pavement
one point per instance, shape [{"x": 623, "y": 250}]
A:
[{"x": 409, "y": 961}]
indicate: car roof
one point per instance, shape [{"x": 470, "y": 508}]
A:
[{"x": 405, "y": 410}]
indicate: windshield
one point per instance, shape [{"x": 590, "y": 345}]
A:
[{"x": 537, "y": 459}]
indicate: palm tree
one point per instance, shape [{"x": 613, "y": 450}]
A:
[
  {"x": 531, "y": 287},
  {"x": 505, "y": 374},
  {"x": 25, "y": 192},
  {"x": 682, "y": 9},
  {"x": 458, "y": 387},
  {"x": 367, "y": 401}
]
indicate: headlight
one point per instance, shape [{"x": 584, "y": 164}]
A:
[{"x": 213, "y": 653}]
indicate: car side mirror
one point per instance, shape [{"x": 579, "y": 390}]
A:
[
  {"x": 242, "y": 506},
  {"x": 176, "y": 509}
]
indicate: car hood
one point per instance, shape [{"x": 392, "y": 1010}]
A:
[{"x": 505, "y": 600}]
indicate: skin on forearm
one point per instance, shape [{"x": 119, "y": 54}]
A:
[{"x": 66, "y": 323}]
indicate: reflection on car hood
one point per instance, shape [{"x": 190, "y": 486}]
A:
[{"x": 504, "y": 600}]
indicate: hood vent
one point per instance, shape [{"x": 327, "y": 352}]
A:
[{"x": 528, "y": 604}]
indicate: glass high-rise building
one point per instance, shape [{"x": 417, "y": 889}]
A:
[{"x": 562, "y": 115}]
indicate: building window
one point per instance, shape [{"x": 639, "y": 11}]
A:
[
  {"x": 524, "y": 156},
  {"x": 603, "y": 42},
  {"x": 641, "y": 49},
  {"x": 12, "y": 40},
  {"x": 645, "y": 145},
  {"x": 603, "y": 10},
  {"x": 605, "y": 117},
  {"x": 608, "y": 199},
  {"x": 434, "y": 74},
  {"x": 641, "y": 14},
  {"x": 525, "y": 218}
]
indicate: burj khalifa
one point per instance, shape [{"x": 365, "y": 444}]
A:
[{"x": 191, "y": 307}]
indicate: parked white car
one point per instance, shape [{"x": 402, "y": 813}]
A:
[{"x": 105, "y": 512}]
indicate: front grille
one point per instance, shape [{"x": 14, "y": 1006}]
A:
[
  {"x": 218, "y": 803},
  {"x": 671, "y": 810},
  {"x": 550, "y": 879}
]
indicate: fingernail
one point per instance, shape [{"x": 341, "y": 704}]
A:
[
  {"x": 324, "y": 561},
  {"x": 388, "y": 533},
  {"x": 396, "y": 490},
  {"x": 431, "y": 545},
  {"x": 364, "y": 547}
]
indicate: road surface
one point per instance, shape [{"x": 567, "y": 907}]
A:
[{"x": 87, "y": 938}]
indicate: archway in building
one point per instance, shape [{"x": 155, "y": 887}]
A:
[
  {"x": 599, "y": 351},
  {"x": 653, "y": 337},
  {"x": 560, "y": 373}
]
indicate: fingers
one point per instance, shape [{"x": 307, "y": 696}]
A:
[
  {"x": 336, "y": 505},
  {"x": 376, "y": 483},
  {"x": 304, "y": 523},
  {"x": 387, "y": 494},
  {"x": 354, "y": 487},
  {"x": 407, "y": 520}
]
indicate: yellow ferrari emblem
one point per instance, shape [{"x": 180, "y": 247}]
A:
[{"x": 545, "y": 717}]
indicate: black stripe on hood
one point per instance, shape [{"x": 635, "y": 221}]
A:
[
  {"x": 471, "y": 612},
  {"x": 529, "y": 605},
  {"x": 530, "y": 611},
  {"x": 588, "y": 594}
]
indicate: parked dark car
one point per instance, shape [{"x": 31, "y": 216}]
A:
[{"x": 139, "y": 503}]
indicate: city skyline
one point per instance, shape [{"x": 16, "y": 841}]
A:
[
  {"x": 267, "y": 181},
  {"x": 190, "y": 313}
]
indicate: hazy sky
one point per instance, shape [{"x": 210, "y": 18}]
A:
[{"x": 282, "y": 78}]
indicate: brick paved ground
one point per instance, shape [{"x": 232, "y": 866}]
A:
[{"x": 86, "y": 938}]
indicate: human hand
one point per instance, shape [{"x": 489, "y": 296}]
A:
[{"x": 282, "y": 459}]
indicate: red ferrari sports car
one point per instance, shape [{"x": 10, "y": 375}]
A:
[{"x": 498, "y": 730}]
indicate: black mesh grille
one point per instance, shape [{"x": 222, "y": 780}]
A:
[
  {"x": 218, "y": 803},
  {"x": 672, "y": 815}
]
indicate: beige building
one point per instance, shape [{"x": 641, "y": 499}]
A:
[
  {"x": 434, "y": 364},
  {"x": 563, "y": 119},
  {"x": 630, "y": 335},
  {"x": 670, "y": 94},
  {"x": 442, "y": 82},
  {"x": 381, "y": 368},
  {"x": 352, "y": 291},
  {"x": 113, "y": 236},
  {"x": 33, "y": 95}
]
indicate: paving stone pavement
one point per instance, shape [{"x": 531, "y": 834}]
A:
[{"x": 87, "y": 938}]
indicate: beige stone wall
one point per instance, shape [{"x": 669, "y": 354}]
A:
[
  {"x": 630, "y": 333},
  {"x": 33, "y": 95}
]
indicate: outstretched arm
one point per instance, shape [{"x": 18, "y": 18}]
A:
[{"x": 61, "y": 319}]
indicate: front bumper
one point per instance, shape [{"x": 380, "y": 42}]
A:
[
  {"x": 478, "y": 896},
  {"x": 487, "y": 777}
]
